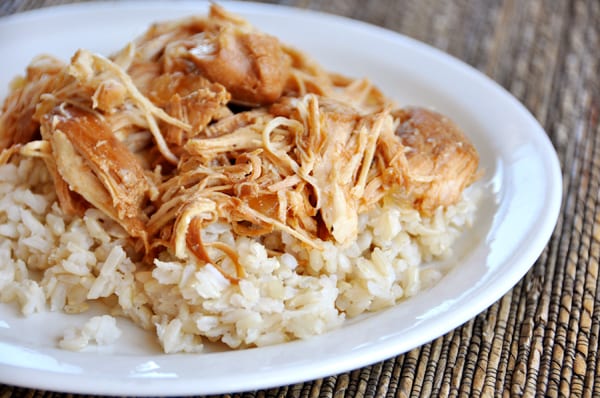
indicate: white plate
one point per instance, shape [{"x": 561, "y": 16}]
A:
[{"x": 515, "y": 220}]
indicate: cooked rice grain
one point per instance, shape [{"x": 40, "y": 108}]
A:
[{"x": 52, "y": 262}]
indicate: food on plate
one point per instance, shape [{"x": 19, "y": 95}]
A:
[{"x": 213, "y": 184}]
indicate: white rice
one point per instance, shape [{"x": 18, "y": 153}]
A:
[
  {"x": 52, "y": 262},
  {"x": 101, "y": 329}
]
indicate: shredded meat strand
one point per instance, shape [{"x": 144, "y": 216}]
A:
[{"x": 208, "y": 119}]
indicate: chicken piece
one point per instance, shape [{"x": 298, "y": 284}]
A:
[
  {"x": 17, "y": 124},
  {"x": 337, "y": 208},
  {"x": 191, "y": 98},
  {"x": 162, "y": 89},
  {"x": 97, "y": 166},
  {"x": 236, "y": 121},
  {"x": 70, "y": 201},
  {"x": 441, "y": 160},
  {"x": 335, "y": 153},
  {"x": 242, "y": 139},
  {"x": 252, "y": 65},
  {"x": 241, "y": 132},
  {"x": 223, "y": 48},
  {"x": 306, "y": 75},
  {"x": 350, "y": 141},
  {"x": 91, "y": 71},
  {"x": 142, "y": 58}
]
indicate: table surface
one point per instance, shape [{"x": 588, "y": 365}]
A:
[{"x": 541, "y": 338}]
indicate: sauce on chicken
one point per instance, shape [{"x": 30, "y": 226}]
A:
[{"x": 208, "y": 119}]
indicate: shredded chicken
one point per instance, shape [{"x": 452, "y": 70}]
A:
[{"x": 208, "y": 119}]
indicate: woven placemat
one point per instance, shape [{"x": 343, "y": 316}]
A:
[{"x": 541, "y": 338}]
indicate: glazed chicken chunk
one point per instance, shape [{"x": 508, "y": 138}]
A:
[
  {"x": 441, "y": 160},
  {"x": 251, "y": 65}
]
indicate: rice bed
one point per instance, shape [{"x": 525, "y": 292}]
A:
[{"x": 49, "y": 262}]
